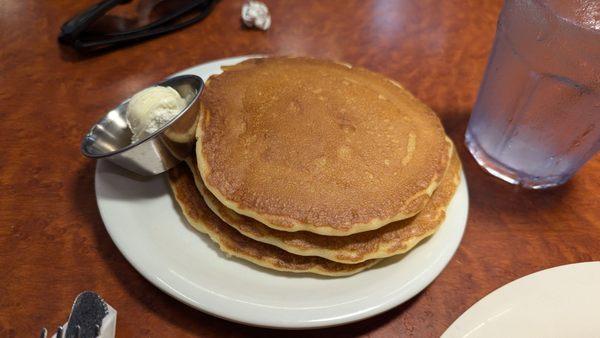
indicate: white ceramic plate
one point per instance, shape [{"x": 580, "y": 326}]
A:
[
  {"x": 147, "y": 227},
  {"x": 558, "y": 302}
]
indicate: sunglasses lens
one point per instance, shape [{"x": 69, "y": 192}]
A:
[{"x": 141, "y": 13}]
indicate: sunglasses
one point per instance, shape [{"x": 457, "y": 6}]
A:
[{"x": 103, "y": 25}]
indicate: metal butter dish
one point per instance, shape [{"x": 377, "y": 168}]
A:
[{"x": 110, "y": 137}]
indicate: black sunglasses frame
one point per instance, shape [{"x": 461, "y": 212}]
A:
[{"x": 72, "y": 32}]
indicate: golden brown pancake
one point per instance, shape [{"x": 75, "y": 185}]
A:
[
  {"x": 304, "y": 144},
  {"x": 395, "y": 238},
  {"x": 233, "y": 243}
]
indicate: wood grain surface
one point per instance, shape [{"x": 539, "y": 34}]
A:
[{"x": 53, "y": 244}]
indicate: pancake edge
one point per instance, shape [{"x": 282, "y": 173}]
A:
[
  {"x": 200, "y": 227},
  {"x": 325, "y": 230},
  {"x": 383, "y": 251}
]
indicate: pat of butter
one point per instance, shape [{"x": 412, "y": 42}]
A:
[{"x": 151, "y": 109}]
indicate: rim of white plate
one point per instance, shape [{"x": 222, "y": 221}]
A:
[{"x": 558, "y": 289}]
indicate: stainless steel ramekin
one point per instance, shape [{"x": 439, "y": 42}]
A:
[{"x": 110, "y": 138}]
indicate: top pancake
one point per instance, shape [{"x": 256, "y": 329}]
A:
[{"x": 304, "y": 144}]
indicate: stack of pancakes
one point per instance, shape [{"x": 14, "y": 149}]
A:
[{"x": 307, "y": 165}]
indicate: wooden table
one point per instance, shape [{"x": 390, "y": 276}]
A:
[{"x": 53, "y": 244}]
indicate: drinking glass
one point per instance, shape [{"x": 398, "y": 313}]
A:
[{"x": 537, "y": 115}]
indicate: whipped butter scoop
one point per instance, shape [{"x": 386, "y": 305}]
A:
[{"x": 151, "y": 109}]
